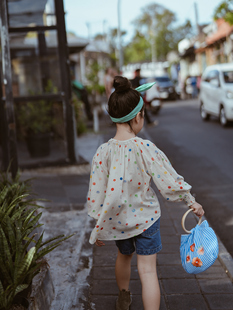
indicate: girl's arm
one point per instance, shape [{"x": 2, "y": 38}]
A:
[{"x": 171, "y": 185}]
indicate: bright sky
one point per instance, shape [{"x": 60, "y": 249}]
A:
[{"x": 102, "y": 14}]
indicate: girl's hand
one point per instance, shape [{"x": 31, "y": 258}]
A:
[
  {"x": 197, "y": 209},
  {"x": 99, "y": 243}
]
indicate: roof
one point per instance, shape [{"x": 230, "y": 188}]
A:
[
  {"x": 98, "y": 46},
  {"x": 224, "y": 29},
  {"x": 75, "y": 44},
  {"x": 25, "y": 12}
]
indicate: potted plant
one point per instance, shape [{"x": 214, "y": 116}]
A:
[{"x": 36, "y": 121}]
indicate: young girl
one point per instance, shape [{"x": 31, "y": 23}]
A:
[{"x": 122, "y": 201}]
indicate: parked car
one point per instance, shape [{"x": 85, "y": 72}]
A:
[
  {"x": 163, "y": 89},
  {"x": 216, "y": 93}
]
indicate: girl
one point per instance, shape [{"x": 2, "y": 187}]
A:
[{"x": 121, "y": 199}]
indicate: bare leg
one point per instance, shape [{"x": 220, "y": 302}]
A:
[
  {"x": 123, "y": 270},
  {"x": 150, "y": 284}
]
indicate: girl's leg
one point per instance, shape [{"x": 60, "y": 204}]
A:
[
  {"x": 150, "y": 284},
  {"x": 123, "y": 270}
]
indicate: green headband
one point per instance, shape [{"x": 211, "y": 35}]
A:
[{"x": 137, "y": 109}]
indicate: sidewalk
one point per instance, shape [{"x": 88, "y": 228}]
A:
[
  {"x": 212, "y": 289},
  {"x": 83, "y": 275}
]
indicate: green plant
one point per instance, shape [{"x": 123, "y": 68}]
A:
[
  {"x": 21, "y": 254},
  {"x": 36, "y": 117},
  {"x": 79, "y": 115},
  {"x": 224, "y": 10},
  {"x": 94, "y": 87},
  {"x": 100, "y": 89}
]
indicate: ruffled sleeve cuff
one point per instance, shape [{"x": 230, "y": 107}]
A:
[{"x": 188, "y": 199}]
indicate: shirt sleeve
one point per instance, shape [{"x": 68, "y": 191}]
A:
[
  {"x": 97, "y": 186},
  {"x": 170, "y": 184}
]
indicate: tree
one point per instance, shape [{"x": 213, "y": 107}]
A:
[
  {"x": 155, "y": 33},
  {"x": 225, "y": 11},
  {"x": 138, "y": 50},
  {"x": 100, "y": 37},
  {"x": 183, "y": 31}
]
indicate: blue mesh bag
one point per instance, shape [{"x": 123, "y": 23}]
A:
[{"x": 199, "y": 248}]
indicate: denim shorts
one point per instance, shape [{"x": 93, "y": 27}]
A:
[{"x": 147, "y": 243}]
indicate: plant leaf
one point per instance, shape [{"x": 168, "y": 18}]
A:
[
  {"x": 20, "y": 288},
  {"x": 24, "y": 266}
]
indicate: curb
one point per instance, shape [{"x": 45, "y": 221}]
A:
[
  {"x": 42, "y": 290},
  {"x": 225, "y": 259}
]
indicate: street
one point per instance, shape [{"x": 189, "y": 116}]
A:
[{"x": 202, "y": 153}]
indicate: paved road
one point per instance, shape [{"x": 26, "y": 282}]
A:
[{"x": 203, "y": 153}]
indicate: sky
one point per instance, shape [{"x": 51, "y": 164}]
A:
[{"x": 102, "y": 14}]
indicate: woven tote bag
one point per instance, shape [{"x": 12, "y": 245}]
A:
[{"x": 199, "y": 248}]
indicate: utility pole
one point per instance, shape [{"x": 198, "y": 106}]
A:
[
  {"x": 104, "y": 30},
  {"x": 89, "y": 30},
  {"x": 121, "y": 61},
  {"x": 153, "y": 51},
  {"x": 196, "y": 18},
  {"x": 7, "y": 107}
]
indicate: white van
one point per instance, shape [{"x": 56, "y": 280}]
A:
[{"x": 216, "y": 93}]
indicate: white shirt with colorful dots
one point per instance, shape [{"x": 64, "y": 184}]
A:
[{"x": 120, "y": 197}]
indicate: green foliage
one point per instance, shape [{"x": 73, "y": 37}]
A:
[
  {"x": 155, "y": 29},
  {"x": 225, "y": 11},
  {"x": 37, "y": 116},
  {"x": 21, "y": 255},
  {"x": 79, "y": 115},
  {"x": 99, "y": 89},
  {"x": 139, "y": 49},
  {"x": 92, "y": 75}
]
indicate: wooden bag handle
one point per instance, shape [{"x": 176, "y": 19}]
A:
[{"x": 183, "y": 220}]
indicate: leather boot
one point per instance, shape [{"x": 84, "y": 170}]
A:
[{"x": 124, "y": 300}]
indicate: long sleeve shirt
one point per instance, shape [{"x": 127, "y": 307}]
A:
[{"x": 120, "y": 196}]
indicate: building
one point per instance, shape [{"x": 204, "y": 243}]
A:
[
  {"x": 217, "y": 47},
  {"x": 34, "y": 51}
]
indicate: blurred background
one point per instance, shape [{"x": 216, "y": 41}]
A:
[{"x": 57, "y": 72}]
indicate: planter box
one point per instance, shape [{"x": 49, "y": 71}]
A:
[{"x": 39, "y": 144}]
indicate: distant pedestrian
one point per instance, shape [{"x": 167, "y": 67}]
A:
[
  {"x": 194, "y": 87},
  {"x": 136, "y": 82},
  {"x": 198, "y": 83},
  {"x": 122, "y": 201},
  {"x": 108, "y": 81}
]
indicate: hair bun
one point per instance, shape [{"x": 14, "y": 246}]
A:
[{"x": 121, "y": 84}]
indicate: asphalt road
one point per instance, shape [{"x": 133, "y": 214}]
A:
[{"x": 203, "y": 153}]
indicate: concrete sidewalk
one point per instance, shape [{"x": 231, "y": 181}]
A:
[
  {"x": 211, "y": 289},
  {"x": 83, "y": 275}
]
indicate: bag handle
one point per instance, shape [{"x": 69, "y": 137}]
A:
[{"x": 183, "y": 220}]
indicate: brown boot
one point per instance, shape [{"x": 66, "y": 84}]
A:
[{"x": 124, "y": 300}]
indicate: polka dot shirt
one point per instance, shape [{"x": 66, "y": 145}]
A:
[{"x": 120, "y": 197}]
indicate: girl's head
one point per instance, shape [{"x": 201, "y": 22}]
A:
[{"x": 124, "y": 100}]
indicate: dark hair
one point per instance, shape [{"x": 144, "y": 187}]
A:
[{"x": 124, "y": 99}]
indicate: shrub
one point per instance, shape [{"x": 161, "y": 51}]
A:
[{"x": 21, "y": 255}]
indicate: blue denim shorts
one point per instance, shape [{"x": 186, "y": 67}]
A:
[{"x": 147, "y": 243}]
